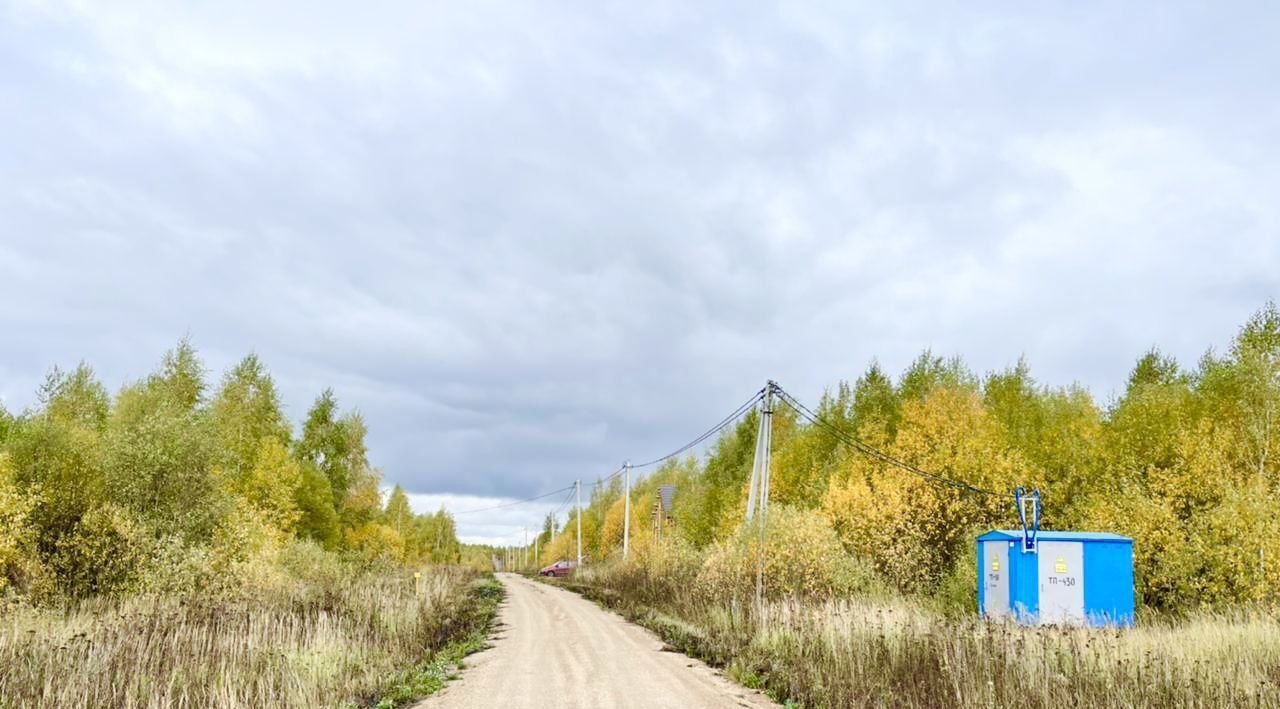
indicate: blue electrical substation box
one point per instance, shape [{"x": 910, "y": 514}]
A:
[{"x": 1064, "y": 578}]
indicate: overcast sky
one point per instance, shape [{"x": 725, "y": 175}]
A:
[{"x": 529, "y": 241}]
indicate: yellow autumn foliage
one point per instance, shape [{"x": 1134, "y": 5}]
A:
[
  {"x": 15, "y": 531},
  {"x": 271, "y": 485},
  {"x": 1161, "y": 548},
  {"x": 245, "y": 533},
  {"x": 101, "y": 554},
  {"x": 563, "y": 547},
  {"x": 375, "y": 543},
  {"x": 611, "y": 532},
  {"x": 802, "y": 557},
  {"x": 912, "y": 529}
]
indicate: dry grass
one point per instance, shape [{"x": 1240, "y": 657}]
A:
[
  {"x": 311, "y": 645},
  {"x": 895, "y": 652}
]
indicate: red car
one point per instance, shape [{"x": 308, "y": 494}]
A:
[{"x": 560, "y": 568}]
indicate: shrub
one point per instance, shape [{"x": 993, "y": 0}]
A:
[
  {"x": 101, "y": 555},
  {"x": 803, "y": 558},
  {"x": 672, "y": 560},
  {"x": 957, "y": 593},
  {"x": 169, "y": 565},
  {"x": 376, "y": 543},
  {"x": 309, "y": 562},
  {"x": 20, "y": 570}
]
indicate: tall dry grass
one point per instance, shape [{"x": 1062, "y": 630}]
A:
[
  {"x": 894, "y": 652},
  {"x": 310, "y": 645}
]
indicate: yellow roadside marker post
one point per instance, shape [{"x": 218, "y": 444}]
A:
[{"x": 417, "y": 576}]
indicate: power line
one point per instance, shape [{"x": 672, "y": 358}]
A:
[
  {"x": 870, "y": 450},
  {"x": 513, "y": 504},
  {"x": 709, "y": 433},
  {"x": 611, "y": 476},
  {"x": 565, "y": 502}
]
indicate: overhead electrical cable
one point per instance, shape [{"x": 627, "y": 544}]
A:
[
  {"x": 611, "y": 476},
  {"x": 516, "y": 502},
  {"x": 726, "y": 421},
  {"x": 564, "y": 503},
  {"x": 876, "y": 453},
  {"x": 709, "y": 433}
]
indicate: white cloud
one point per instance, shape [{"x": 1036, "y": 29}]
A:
[
  {"x": 508, "y": 525},
  {"x": 528, "y": 242}
]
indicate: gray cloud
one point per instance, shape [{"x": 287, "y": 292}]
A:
[{"x": 530, "y": 241}]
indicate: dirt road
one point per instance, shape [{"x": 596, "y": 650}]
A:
[{"x": 556, "y": 649}]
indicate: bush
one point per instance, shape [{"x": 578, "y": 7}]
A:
[
  {"x": 376, "y": 544},
  {"x": 101, "y": 555},
  {"x": 168, "y": 565},
  {"x": 671, "y": 565},
  {"x": 20, "y": 569},
  {"x": 803, "y": 558},
  {"x": 957, "y": 593},
  {"x": 309, "y": 562},
  {"x": 245, "y": 533}
]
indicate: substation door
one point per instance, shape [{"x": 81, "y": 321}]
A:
[
  {"x": 995, "y": 579},
  {"x": 1061, "y": 582}
]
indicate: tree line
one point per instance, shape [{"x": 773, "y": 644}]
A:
[
  {"x": 1186, "y": 460},
  {"x": 170, "y": 484}
]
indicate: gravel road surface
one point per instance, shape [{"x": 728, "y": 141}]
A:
[{"x": 554, "y": 648}]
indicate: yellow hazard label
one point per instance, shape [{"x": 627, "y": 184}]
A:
[
  {"x": 1060, "y": 567},
  {"x": 995, "y": 564}
]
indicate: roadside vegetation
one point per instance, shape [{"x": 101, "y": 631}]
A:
[
  {"x": 180, "y": 545},
  {"x": 869, "y": 572},
  {"x": 870, "y": 646},
  {"x": 330, "y": 638}
]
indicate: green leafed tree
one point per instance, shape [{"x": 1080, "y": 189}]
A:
[
  {"x": 272, "y": 485},
  {"x": 930, "y": 372},
  {"x": 57, "y": 452},
  {"x": 876, "y": 409},
  {"x": 438, "y": 538},
  {"x": 1256, "y": 359},
  {"x": 313, "y": 498},
  {"x": 246, "y": 411},
  {"x": 334, "y": 444},
  {"x": 7, "y": 423},
  {"x": 804, "y": 456},
  {"x": 76, "y": 398},
  {"x": 398, "y": 515},
  {"x": 159, "y": 451},
  {"x": 710, "y": 503},
  {"x": 181, "y": 377},
  {"x": 549, "y": 530},
  {"x": 1145, "y": 423}
]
